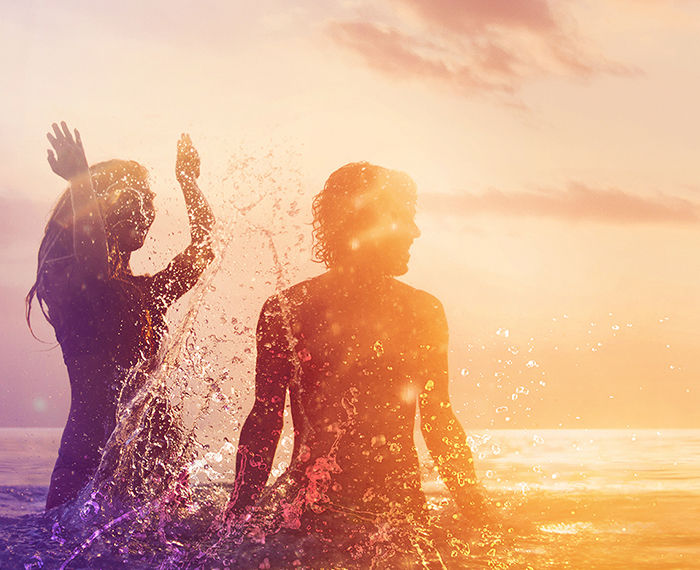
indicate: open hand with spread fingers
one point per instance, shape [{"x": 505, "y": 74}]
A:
[
  {"x": 187, "y": 162},
  {"x": 67, "y": 159}
]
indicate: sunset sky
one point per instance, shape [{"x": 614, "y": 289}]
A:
[{"x": 554, "y": 145}]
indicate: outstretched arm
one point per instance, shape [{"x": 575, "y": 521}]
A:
[
  {"x": 261, "y": 430},
  {"x": 67, "y": 159},
  {"x": 184, "y": 270},
  {"x": 441, "y": 430}
]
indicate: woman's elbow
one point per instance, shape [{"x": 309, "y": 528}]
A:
[
  {"x": 207, "y": 253},
  {"x": 202, "y": 253}
]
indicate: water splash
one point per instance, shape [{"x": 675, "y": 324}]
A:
[
  {"x": 175, "y": 412},
  {"x": 168, "y": 469}
]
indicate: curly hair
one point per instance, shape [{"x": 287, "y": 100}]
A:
[{"x": 342, "y": 207}]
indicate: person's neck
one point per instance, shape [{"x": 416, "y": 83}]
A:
[
  {"x": 119, "y": 261},
  {"x": 358, "y": 276}
]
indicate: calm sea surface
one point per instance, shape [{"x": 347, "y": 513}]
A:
[{"x": 608, "y": 499}]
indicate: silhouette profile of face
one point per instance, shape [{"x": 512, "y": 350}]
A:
[
  {"x": 130, "y": 213},
  {"x": 364, "y": 220},
  {"x": 385, "y": 232}
]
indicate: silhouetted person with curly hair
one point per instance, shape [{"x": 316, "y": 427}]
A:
[{"x": 357, "y": 351}]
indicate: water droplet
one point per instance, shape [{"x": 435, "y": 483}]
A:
[
  {"x": 34, "y": 562},
  {"x": 56, "y": 532},
  {"x": 89, "y": 510}
]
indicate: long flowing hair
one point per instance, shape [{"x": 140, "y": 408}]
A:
[{"x": 57, "y": 243}]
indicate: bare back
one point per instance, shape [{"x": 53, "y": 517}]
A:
[{"x": 353, "y": 357}]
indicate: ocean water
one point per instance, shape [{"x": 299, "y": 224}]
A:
[{"x": 608, "y": 499}]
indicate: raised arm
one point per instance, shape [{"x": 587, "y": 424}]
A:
[
  {"x": 441, "y": 430},
  {"x": 261, "y": 431},
  {"x": 184, "y": 270},
  {"x": 67, "y": 159},
  {"x": 198, "y": 211}
]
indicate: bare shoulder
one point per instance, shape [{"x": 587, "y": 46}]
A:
[
  {"x": 422, "y": 313},
  {"x": 291, "y": 300},
  {"x": 419, "y": 301},
  {"x": 298, "y": 294},
  {"x": 64, "y": 278}
]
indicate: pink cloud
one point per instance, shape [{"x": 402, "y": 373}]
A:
[
  {"x": 390, "y": 51},
  {"x": 577, "y": 202},
  {"x": 471, "y": 45},
  {"x": 471, "y": 15}
]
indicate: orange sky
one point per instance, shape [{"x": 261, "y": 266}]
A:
[{"x": 554, "y": 146}]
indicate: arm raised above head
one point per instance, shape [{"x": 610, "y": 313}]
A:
[
  {"x": 187, "y": 171},
  {"x": 261, "y": 431},
  {"x": 184, "y": 270},
  {"x": 67, "y": 159},
  {"x": 441, "y": 430}
]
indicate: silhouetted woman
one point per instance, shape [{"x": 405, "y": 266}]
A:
[
  {"x": 107, "y": 320},
  {"x": 357, "y": 350}
]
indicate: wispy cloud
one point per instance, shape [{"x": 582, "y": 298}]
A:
[
  {"x": 577, "y": 202},
  {"x": 394, "y": 53},
  {"x": 476, "y": 15},
  {"x": 472, "y": 45}
]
